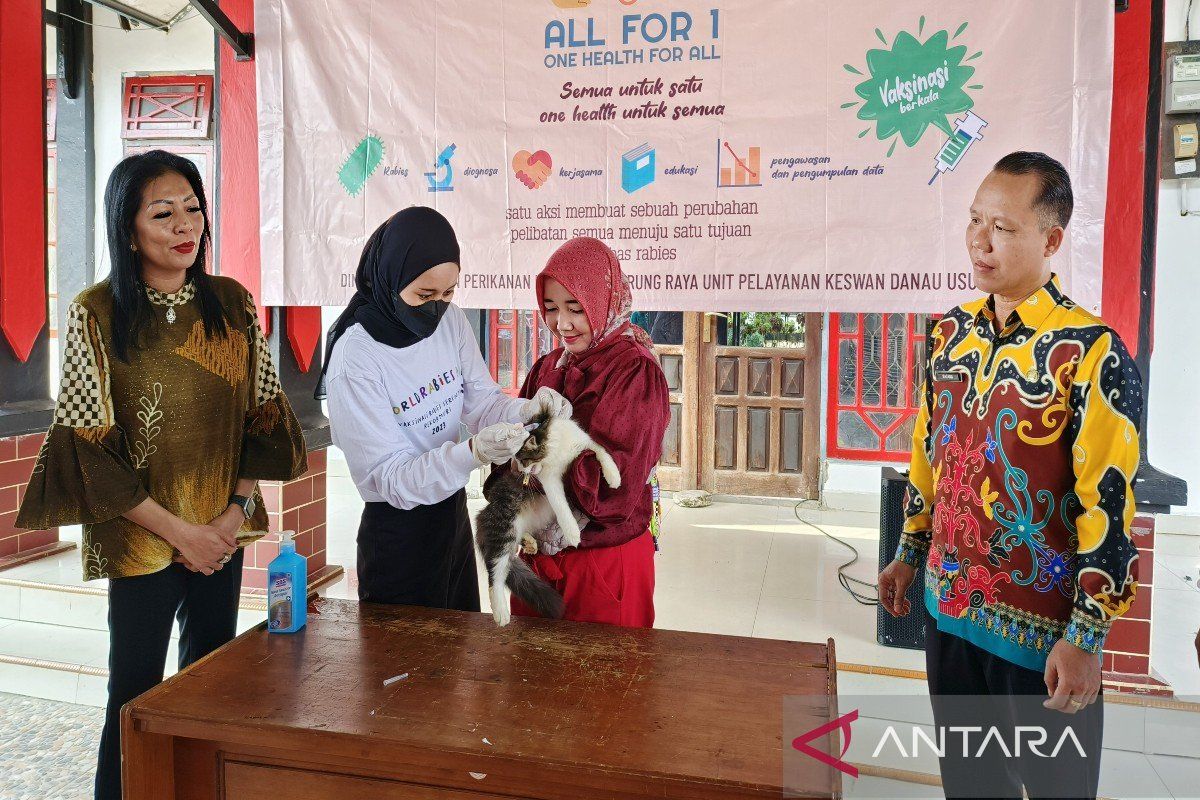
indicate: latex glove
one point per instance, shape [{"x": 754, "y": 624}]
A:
[
  {"x": 551, "y": 540},
  {"x": 546, "y": 398},
  {"x": 498, "y": 443}
]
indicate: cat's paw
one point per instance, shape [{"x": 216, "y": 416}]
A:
[
  {"x": 501, "y": 612},
  {"x": 570, "y": 532},
  {"x": 529, "y": 545}
]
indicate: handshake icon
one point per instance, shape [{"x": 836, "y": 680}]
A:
[{"x": 532, "y": 169}]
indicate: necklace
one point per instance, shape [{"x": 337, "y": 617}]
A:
[{"x": 184, "y": 295}]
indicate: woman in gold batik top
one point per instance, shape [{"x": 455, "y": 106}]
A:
[{"x": 168, "y": 414}]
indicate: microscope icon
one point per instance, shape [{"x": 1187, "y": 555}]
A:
[{"x": 442, "y": 177}]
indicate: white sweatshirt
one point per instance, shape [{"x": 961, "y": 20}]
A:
[{"x": 395, "y": 413}]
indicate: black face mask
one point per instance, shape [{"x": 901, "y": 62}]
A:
[{"x": 421, "y": 320}]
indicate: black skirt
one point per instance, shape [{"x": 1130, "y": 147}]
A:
[{"x": 421, "y": 557}]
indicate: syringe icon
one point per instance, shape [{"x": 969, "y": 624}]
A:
[{"x": 966, "y": 131}]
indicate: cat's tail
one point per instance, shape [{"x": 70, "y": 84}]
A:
[{"x": 533, "y": 591}]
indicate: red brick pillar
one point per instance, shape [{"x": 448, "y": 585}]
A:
[
  {"x": 25, "y": 407},
  {"x": 1126, "y": 662},
  {"x": 17, "y": 455},
  {"x": 298, "y": 506}
]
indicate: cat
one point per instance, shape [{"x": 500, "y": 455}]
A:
[{"x": 516, "y": 510}]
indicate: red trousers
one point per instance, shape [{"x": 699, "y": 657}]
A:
[{"x": 611, "y": 585}]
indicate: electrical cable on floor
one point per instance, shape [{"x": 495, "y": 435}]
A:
[{"x": 844, "y": 579}]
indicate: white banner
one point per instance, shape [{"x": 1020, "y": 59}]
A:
[{"x": 774, "y": 155}]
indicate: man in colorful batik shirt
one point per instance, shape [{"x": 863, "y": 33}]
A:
[{"x": 1019, "y": 500}]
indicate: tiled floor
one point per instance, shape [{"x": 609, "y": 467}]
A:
[{"x": 47, "y": 749}]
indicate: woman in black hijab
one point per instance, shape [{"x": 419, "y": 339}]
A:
[{"x": 404, "y": 377}]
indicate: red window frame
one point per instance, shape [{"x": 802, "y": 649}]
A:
[
  {"x": 157, "y": 114},
  {"x": 513, "y": 346},
  {"x": 914, "y": 335}
]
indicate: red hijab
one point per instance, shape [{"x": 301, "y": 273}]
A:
[{"x": 590, "y": 271}]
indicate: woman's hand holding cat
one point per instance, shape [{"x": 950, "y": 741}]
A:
[
  {"x": 548, "y": 399},
  {"x": 498, "y": 443}
]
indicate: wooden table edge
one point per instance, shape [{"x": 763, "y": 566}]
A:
[{"x": 144, "y": 724}]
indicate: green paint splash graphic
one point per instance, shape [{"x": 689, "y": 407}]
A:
[
  {"x": 913, "y": 85},
  {"x": 361, "y": 164}
]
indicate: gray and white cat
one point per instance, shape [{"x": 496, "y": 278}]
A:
[{"x": 516, "y": 510}]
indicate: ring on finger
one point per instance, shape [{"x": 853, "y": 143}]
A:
[{"x": 225, "y": 559}]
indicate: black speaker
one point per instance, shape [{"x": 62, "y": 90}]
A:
[{"x": 907, "y": 631}]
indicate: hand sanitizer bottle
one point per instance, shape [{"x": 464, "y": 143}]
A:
[{"x": 287, "y": 588}]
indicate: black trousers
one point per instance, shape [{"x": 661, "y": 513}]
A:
[
  {"x": 957, "y": 669},
  {"x": 421, "y": 557},
  {"x": 141, "y": 611}
]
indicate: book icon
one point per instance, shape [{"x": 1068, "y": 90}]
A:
[{"x": 637, "y": 168}]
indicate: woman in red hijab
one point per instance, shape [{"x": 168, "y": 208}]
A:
[{"x": 606, "y": 368}]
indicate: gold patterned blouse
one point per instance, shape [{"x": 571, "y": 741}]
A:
[{"x": 181, "y": 422}]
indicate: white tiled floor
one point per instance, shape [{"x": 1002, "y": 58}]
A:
[
  {"x": 1131, "y": 775},
  {"x": 53, "y": 643},
  {"x": 1180, "y": 775}
]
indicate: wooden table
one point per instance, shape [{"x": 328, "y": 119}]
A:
[{"x": 538, "y": 709}]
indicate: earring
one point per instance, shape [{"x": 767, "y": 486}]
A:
[{"x": 133, "y": 247}]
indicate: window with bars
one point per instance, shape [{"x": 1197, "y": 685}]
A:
[
  {"x": 172, "y": 112},
  {"x": 876, "y": 371},
  {"x": 167, "y": 107},
  {"x": 516, "y": 340}
]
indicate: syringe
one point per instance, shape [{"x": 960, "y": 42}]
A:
[{"x": 966, "y": 131}]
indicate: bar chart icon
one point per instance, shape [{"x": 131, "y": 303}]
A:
[{"x": 735, "y": 170}]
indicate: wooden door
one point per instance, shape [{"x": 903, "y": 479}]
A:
[
  {"x": 744, "y": 420},
  {"x": 678, "y": 468},
  {"x": 760, "y": 416}
]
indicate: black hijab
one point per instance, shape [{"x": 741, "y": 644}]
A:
[{"x": 400, "y": 250}]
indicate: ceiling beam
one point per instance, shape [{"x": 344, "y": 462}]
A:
[
  {"x": 132, "y": 13},
  {"x": 242, "y": 43}
]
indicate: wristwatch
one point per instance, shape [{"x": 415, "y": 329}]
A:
[{"x": 247, "y": 504}]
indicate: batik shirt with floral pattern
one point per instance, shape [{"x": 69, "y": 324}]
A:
[
  {"x": 181, "y": 422},
  {"x": 1020, "y": 496}
]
